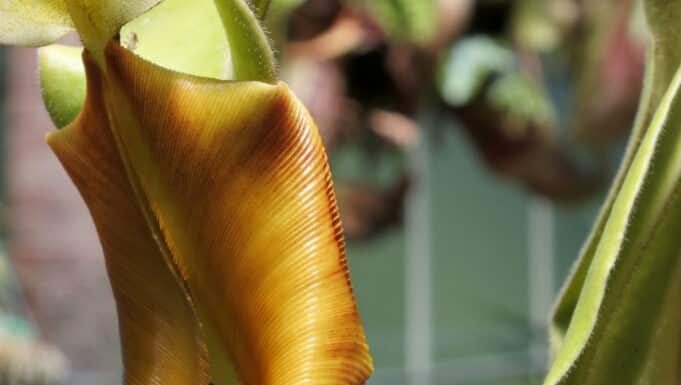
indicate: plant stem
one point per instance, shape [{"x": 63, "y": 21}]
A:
[{"x": 252, "y": 56}]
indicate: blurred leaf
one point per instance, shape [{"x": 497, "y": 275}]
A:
[
  {"x": 609, "y": 63},
  {"x": 468, "y": 65},
  {"x": 33, "y": 22},
  {"x": 276, "y": 20},
  {"x": 535, "y": 109},
  {"x": 28, "y": 362},
  {"x": 13, "y": 326},
  {"x": 281, "y": 5},
  {"x": 638, "y": 26},
  {"x": 534, "y": 26},
  {"x": 410, "y": 20},
  {"x": 168, "y": 36},
  {"x": 62, "y": 82},
  {"x": 280, "y": 9}
]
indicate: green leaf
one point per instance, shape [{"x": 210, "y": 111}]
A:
[
  {"x": 62, "y": 82},
  {"x": 168, "y": 36},
  {"x": 622, "y": 319},
  {"x": 618, "y": 320},
  {"x": 406, "y": 19},
  {"x": 468, "y": 65},
  {"x": 534, "y": 27},
  {"x": 536, "y": 108},
  {"x": 33, "y": 22},
  {"x": 663, "y": 60},
  {"x": 230, "y": 44}
]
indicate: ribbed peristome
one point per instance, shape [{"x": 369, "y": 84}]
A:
[{"x": 215, "y": 205}]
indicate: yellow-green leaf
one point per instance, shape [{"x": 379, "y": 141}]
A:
[
  {"x": 33, "y": 22},
  {"x": 664, "y": 58},
  {"x": 62, "y": 82},
  {"x": 625, "y": 326},
  {"x": 97, "y": 21},
  {"x": 619, "y": 319},
  {"x": 409, "y": 20},
  {"x": 168, "y": 36}
]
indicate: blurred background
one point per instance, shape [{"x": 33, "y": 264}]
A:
[{"x": 472, "y": 142}]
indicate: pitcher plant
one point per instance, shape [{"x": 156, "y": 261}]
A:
[{"x": 209, "y": 187}]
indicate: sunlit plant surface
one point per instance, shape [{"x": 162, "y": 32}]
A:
[
  {"x": 209, "y": 188},
  {"x": 617, "y": 320}
]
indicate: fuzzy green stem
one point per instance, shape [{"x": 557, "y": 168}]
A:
[{"x": 252, "y": 56}]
